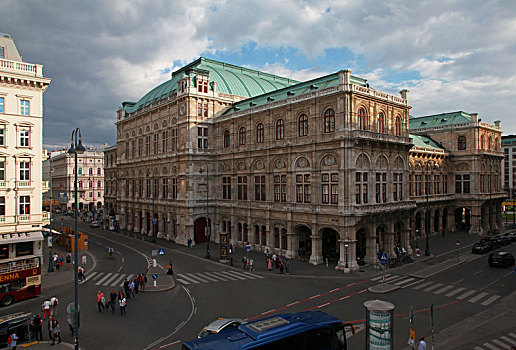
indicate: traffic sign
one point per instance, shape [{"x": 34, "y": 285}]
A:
[
  {"x": 418, "y": 252},
  {"x": 154, "y": 221},
  {"x": 383, "y": 258},
  {"x": 457, "y": 242},
  {"x": 247, "y": 248},
  {"x": 154, "y": 252},
  {"x": 161, "y": 252},
  {"x": 155, "y": 276}
]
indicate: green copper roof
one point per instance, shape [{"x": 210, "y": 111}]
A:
[
  {"x": 230, "y": 79},
  {"x": 444, "y": 119},
  {"x": 423, "y": 141}
]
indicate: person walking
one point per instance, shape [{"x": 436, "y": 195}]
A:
[
  {"x": 36, "y": 326},
  {"x": 46, "y": 308},
  {"x": 53, "y": 305},
  {"x": 422, "y": 344},
  {"x": 101, "y": 301},
  {"x": 136, "y": 284},
  {"x": 80, "y": 274},
  {"x": 131, "y": 289},
  {"x": 68, "y": 259},
  {"x": 56, "y": 332},
  {"x": 269, "y": 264},
  {"x": 251, "y": 264},
  {"x": 144, "y": 281},
  {"x": 112, "y": 300},
  {"x": 49, "y": 325},
  {"x": 126, "y": 289},
  {"x": 12, "y": 340},
  {"x": 189, "y": 243},
  {"x": 123, "y": 304},
  {"x": 170, "y": 271},
  {"x": 287, "y": 267}
]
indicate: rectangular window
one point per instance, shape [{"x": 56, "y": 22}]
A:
[
  {"x": 2, "y": 104},
  {"x": 164, "y": 141},
  {"x": 199, "y": 107},
  {"x": 133, "y": 148},
  {"x": 147, "y": 145},
  {"x": 226, "y": 187},
  {"x": 419, "y": 185},
  {"x": 24, "y": 138},
  {"x": 165, "y": 188},
  {"x": 436, "y": 184},
  {"x": 242, "y": 188},
  {"x": 329, "y": 188},
  {"x": 133, "y": 188},
  {"x": 174, "y": 188},
  {"x": 24, "y": 205},
  {"x": 155, "y": 194},
  {"x": 140, "y": 147},
  {"x": 174, "y": 140},
  {"x": 127, "y": 150},
  {"x": 303, "y": 192},
  {"x": 427, "y": 185},
  {"x": 156, "y": 143},
  {"x": 24, "y": 107},
  {"x": 2, "y": 170},
  {"x": 25, "y": 171},
  {"x": 202, "y": 138},
  {"x": 397, "y": 193},
  {"x": 445, "y": 184},
  {"x": 148, "y": 188},
  {"x": 465, "y": 183},
  {"x": 410, "y": 185},
  {"x": 2, "y": 206},
  {"x": 362, "y": 187},
  {"x": 280, "y": 188},
  {"x": 381, "y": 187},
  {"x": 2, "y": 52},
  {"x": 2, "y": 136},
  {"x": 259, "y": 188},
  {"x": 458, "y": 183}
]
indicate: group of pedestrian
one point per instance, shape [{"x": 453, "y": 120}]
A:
[
  {"x": 279, "y": 263},
  {"x": 59, "y": 261},
  {"x": 49, "y": 309},
  {"x": 130, "y": 290}
]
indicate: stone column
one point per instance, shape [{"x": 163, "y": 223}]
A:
[
  {"x": 290, "y": 253},
  {"x": 371, "y": 257},
  {"x": 452, "y": 227},
  {"x": 145, "y": 229},
  {"x": 476, "y": 214},
  {"x": 137, "y": 227},
  {"x": 170, "y": 229},
  {"x": 316, "y": 258}
]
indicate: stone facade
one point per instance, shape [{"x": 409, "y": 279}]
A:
[{"x": 319, "y": 169}]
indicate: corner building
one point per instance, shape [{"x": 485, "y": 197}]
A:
[{"x": 318, "y": 168}]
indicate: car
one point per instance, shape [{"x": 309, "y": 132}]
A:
[
  {"x": 501, "y": 258},
  {"x": 511, "y": 236},
  {"x": 492, "y": 241},
  {"x": 94, "y": 224},
  {"x": 504, "y": 240},
  {"x": 220, "y": 325},
  {"x": 481, "y": 248},
  {"x": 15, "y": 323}
]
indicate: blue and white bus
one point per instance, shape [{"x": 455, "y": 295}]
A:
[{"x": 309, "y": 330}]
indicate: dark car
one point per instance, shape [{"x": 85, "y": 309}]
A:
[
  {"x": 15, "y": 323},
  {"x": 492, "y": 241},
  {"x": 504, "y": 240},
  {"x": 511, "y": 236},
  {"x": 481, "y": 248},
  {"x": 501, "y": 258}
]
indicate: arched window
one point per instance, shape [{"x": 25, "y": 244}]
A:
[
  {"x": 302, "y": 125},
  {"x": 361, "y": 119},
  {"x": 482, "y": 142},
  {"x": 397, "y": 123},
  {"x": 329, "y": 120},
  {"x": 280, "y": 129},
  {"x": 226, "y": 138},
  {"x": 381, "y": 123},
  {"x": 241, "y": 136},
  {"x": 461, "y": 143},
  {"x": 259, "y": 133}
]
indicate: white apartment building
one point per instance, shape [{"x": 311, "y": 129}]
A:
[{"x": 21, "y": 131}]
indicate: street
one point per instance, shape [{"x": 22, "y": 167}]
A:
[{"x": 206, "y": 290}]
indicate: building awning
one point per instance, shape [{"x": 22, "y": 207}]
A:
[{"x": 15, "y": 237}]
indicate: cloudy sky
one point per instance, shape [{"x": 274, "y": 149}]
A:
[{"x": 452, "y": 55}]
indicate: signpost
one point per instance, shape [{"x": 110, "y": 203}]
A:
[
  {"x": 457, "y": 242},
  {"x": 383, "y": 260},
  {"x": 154, "y": 277},
  {"x": 223, "y": 247},
  {"x": 418, "y": 254}
]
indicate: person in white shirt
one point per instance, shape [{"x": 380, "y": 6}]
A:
[
  {"x": 422, "y": 344},
  {"x": 46, "y": 308},
  {"x": 53, "y": 305}
]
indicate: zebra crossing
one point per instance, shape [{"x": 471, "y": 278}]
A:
[
  {"x": 501, "y": 343},
  {"x": 214, "y": 276},
  {"x": 450, "y": 291},
  {"x": 112, "y": 279}
]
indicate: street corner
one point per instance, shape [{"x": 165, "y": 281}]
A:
[
  {"x": 159, "y": 281},
  {"x": 383, "y": 288}
]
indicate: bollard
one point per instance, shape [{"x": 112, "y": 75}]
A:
[{"x": 154, "y": 284}]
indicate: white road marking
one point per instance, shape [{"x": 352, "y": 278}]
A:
[
  {"x": 98, "y": 276},
  {"x": 467, "y": 294},
  {"x": 103, "y": 279},
  {"x": 182, "y": 281},
  {"x": 213, "y": 275},
  {"x": 456, "y": 291},
  {"x": 413, "y": 283},
  {"x": 508, "y": 340},
  {"x": 502, "y": 344},
  {"x": 437, "y": 285},
  {"x": 128, "y": 278},
  {"x": 250, "y": 275},
  {"x": 380, "y": 277},
  {"x": 225, "y": 276},
  {"x": 490, "y": 300},
  {"x": 194, "y": 276},
  {"x": 422, "y": 285},
  {"x": 404, "y": 281},
  {"x": 393, "y": 278},
  {"x": 444, "y": 289},
  {"x": 512, "y": 334},
  {"x": 118, "y": 280},
  {"x": 205, "y": 275},
  {"x": 234, "y": 274},
  {"x": 111, "y": 279},
  {"x": 188, "y": 278},
  {"x": 489, "y": 346},
  {"x": 478, "y": 297}
]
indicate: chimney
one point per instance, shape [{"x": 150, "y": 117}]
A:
[
  {"x": 474, "y": 117},
  {"x": 497, "y": 123},
  {"x": 404, "y": 94}
]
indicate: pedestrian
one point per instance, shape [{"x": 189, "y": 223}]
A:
[
  {"x": 442, "y": 231},
  {"x": 281, "y": 266},
  {"x": 112, "y": 300},
  {"x": 269, "y": 264},
  {"x": 61, "y": 261},
  {"x": 170, "y": 271},
  {"x": 123, "y": 304},
  {"x": 12, "y": 340},
  {"x": 49, "y": 325},
  {"x": 189, "y": 243},
  {"x": 36, "y": 326},
  {"x": 56, "y": 332},
  {"x": 131, "y": 289},
  {"x": 244, "y": 261},
  {"x": 144, "y": 279},
  {"x": 84, "y": 260},
  {"x": 70, "y": 326},
  {"x": 68, "y": 259},
  {"x": 80, "y": 274},
  {"x": 136, "y": 284},
  {"x": 53, "y": 305},
  {"x": 54, "y": 259},
  {"x": 287, "y": 267},
  {"x": 101, "y": 301},
  {"x": 251, "y": 264},
  {"x": 126, "y": 289},
  {"x": 422, "y": 344},
  {"x": 46, "y": 308}
]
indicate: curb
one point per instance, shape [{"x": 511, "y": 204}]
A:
[{"x": 383, "y": 288}]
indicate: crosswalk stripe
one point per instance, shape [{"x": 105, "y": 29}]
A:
[
  {"x": 223, "y": 275},
  {"x": 118, "y": 280},
  {"x": 478, "y": 297},
  {"x": 197, "y": 277},
  {"x": 188, "y": 278},
  {"x": 512, "y": 334},
  {"x": 231, "y": 273},
  {"x": 478, "y": 348},
  {"x": 103, "y": 279},
  {"x": 413, "y": 283},
  {"x": 214, "y": 275},
  {"x": 508, "y": 340},
  {"x": 90, "y": 276},
  {"x": 422, "y": 285},
  {"x": 467, "y": 294},
  {"x": 444, "y": 289},
  {"x": 205, "y": 275},
  {"x": 394, "y": 278},
  {"x": 489, "y": 346},
  {"x": 380, "y": 277},
  {"x": 250, "y": 275},
  {"x": 437, "y": 285},
  {"x": 111, "y": 279},
  {"x": 404, "y": 281},
  {"x": 182, "y": 281},
  {"x": 98, "y": 276},
  {"x": 490, "y": 300},
  {"x": 502, "y": 344},
  {"x": 455, "y": 291}
]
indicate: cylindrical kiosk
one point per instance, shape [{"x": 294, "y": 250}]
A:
[{"x": 379, "y": 325}]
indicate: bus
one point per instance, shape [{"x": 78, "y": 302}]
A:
[
  {"x": 308, "y": 330},
  {"x": 20, "y": 278}
]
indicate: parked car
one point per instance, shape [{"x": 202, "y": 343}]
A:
[
  {"x": 15, "y": 323},
  {"x": 219, "y": 325},
  {"x": 492, "y": 241},
  {"x": 481, "y": 248},
  {"x": 511, "y": 236},
  {"x": 501, "y": 258},
  {"x": 504, "y": 240},
  {"x": 94, "y": 224}
]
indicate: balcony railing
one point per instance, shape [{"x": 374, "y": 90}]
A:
[
  {"x": 20, "y": 265},
  {"x": 35, "y": 70},
  {"x": 25, "y": 184}
]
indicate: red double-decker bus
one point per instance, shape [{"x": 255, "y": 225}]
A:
[{"x": 20, "y": 278}]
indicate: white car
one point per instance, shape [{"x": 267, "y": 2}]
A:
[{"x": 219, "y": 325}]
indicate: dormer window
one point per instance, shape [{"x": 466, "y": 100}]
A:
[
  {"x": 202, "y": 86},
  {"x": 2, "y": 52}
]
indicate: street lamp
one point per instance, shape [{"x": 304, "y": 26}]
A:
[
  {"x": 346, "y": 245},
  {"x": 207, "y": 229},
  {"x": 427, "y": 216},
  {"x": 50, "y": 235},
  {"x": 76, "y": 148}
]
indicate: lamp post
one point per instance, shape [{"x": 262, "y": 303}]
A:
[
  {"x": 207, "y": 229},
  {"x": 76, "y": 148},
  {"x": 50, "y": 235},
  {"x": 427, "y": 216}
]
